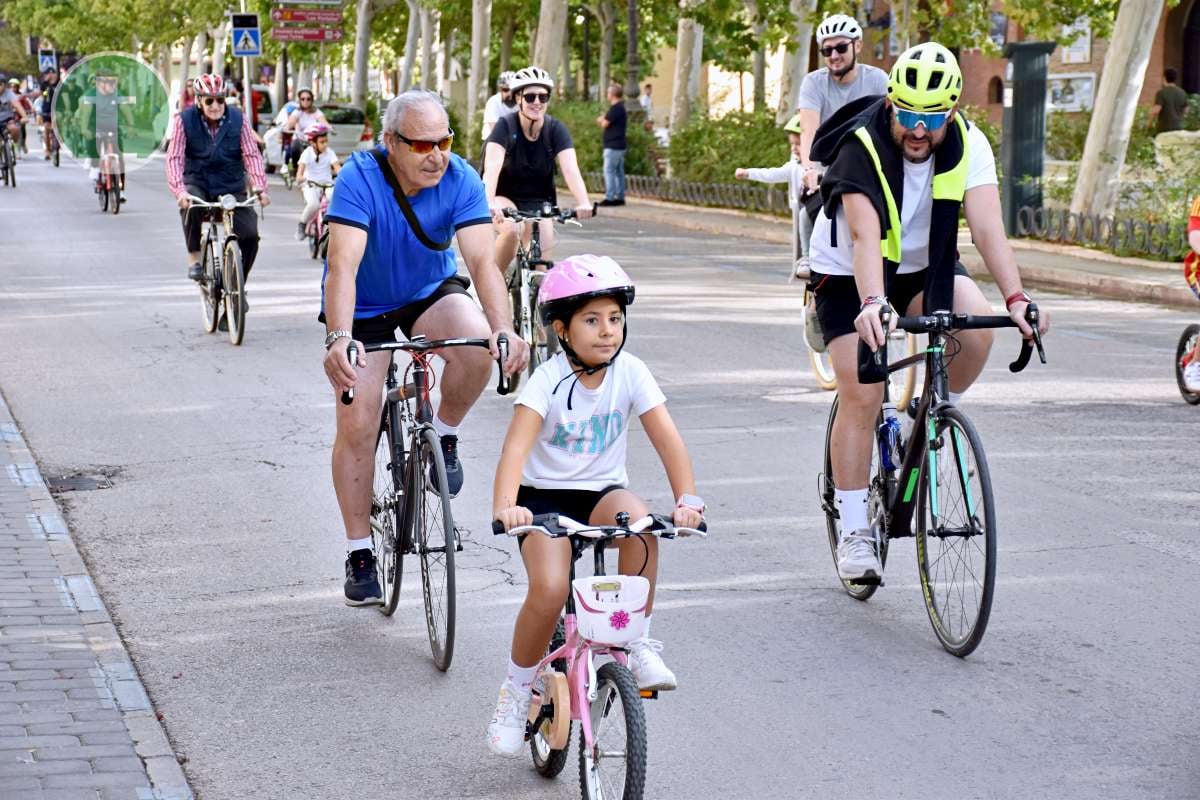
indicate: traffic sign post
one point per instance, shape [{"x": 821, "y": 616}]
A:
[
  {"x": 247, "y": 37},
  {"x": 47, "y": 59}
]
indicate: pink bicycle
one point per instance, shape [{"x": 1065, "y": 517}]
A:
[
  {"x": 316, "y": 231},
  {"x": 603, "y": 614}
]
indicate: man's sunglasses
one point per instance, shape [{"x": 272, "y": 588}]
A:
[
  {"x": 840, "y": 49},
  {"x": 932, "y": 120},
  {"x": 208, "y": 101},
  {"x": 424, "y": 147},
  {"x": 536, "y": 97}
]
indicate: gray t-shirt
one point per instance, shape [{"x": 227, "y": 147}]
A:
[
  {"x": 821, "y": 92},
  {"x": 8, "y": 99}
]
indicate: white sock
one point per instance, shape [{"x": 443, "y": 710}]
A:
[
  {"x": 852, "y": 507},
  {"x": 521, "y": 677},
  {"x": 442, "y": 428},
  {"x": 359, "y": 544},
  {"x": 646, "y": 629},
  {"x": 955, "y": 397}
]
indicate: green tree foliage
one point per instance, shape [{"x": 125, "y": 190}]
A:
[{"x": 710, "y": 150}]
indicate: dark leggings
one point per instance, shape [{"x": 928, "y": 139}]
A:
[{"x": 245, "y": 226}]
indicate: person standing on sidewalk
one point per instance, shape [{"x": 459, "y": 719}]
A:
[
  {"x": 613, "y": 122},
  {"x": 1170, "y": 104}
]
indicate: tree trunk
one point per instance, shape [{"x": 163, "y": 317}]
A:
[
  {"x": 410, "y": 46},
  {"x": 477, "y": 78},
  {"x": 185, "y": 63},
  {"x": 222, "y": 42},
  {"x": 608, "y": 27},
  {"x": 362, "y": 50},
  {"x": 281, "y": 79},
  {"x": 795, "y": 64},
  {"x": 564, "y": 66},
  {"x": 552, "y": 29},
  {"x": 304, "y": 76},
  {"x": 439, "y": 52},
  {"x": 427, "y": 67},
  {"x": 632, "y": 67},
  {"x": 685, "y": 51},
  {"x": 506, "y": 42},
  {"x": 1125, "y": 63},
  {"x": 758, "y": 27}
]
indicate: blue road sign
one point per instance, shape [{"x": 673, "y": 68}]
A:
[
  {"x": 247, "y": 42},
  {"x": 47, "y": 59}
]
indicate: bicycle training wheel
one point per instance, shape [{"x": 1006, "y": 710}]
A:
[
  {"x": 546, "y": 760},
  {"x": 614, "y": 768},
  {"x": 956, "y": 535},
  {"x": 1187, "y": 344},
  {"x": 435, "y": 540},
  {"x": 859, "y": 591},
  {"x": 386, "y": 512},
  {"x": 901, "y": 345},
  {"x": 210, "y": 287},
  {"x": 235, "y": 292}
]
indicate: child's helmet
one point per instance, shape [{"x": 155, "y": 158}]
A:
[
  {"x": 793, "y": 125},
  {"x": 315, "y": 130},
  {"x": 575, "y": 280}
]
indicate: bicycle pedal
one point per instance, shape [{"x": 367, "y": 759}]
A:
[{"x": 867, "y": 580}]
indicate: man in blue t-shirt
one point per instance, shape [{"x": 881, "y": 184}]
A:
[{"x": 380, "y": 276}]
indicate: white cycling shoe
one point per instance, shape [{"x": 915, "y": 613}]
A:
[
  {"x": 1191, "y": 377},
  {"x": 506, "y": 731},
  {"x": 856, "y": 557},
  {"x": 647, "y": 665}
]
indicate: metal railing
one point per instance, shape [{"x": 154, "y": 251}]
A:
[
  {"x": 744, "y": 196},
  {"x": 1125, "y": 236}
]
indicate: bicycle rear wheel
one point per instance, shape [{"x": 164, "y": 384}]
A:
[
  {"x": 1187, "y": 344},
  {"x": 210, "y": 285},
  {"x": 12, "y": 163},
  {"x": 387, "y": 511},
  {"x": 956, "y": 534},
  {"x": 235, "y": 292},
  {"x": 614, "y": 768},
  {"x": 436, "y": 541}
]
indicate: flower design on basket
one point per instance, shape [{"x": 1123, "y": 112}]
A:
[{"x": 619, "y": 620}]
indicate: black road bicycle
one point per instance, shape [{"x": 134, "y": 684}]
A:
[
  {"x": 224, "y": 278},
  {"x": 410, "y": 504},
  {"x": 933, "y": 484}
]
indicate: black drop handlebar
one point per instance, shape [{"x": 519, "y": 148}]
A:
[
  {"x": 419, "y": 344},
  {"x": 547, "y": 211}
]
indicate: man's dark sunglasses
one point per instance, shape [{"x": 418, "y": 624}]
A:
[
  {"x": 536, "y": 97},
  {"x": 208, "y": 101},
  {"x": 840, "y": 49},
  {"x": 424, "y": 147}
]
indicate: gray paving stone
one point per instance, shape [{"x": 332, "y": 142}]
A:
[
  {"x": 85, "y": 751},
  {"x": 62, "y": 794},
  {"x": 18, "y": 783},
  {"x": 98, "y": 780},
  {"x": 78, "y": 728},
  {"x": 34, "y": 742},
  {"x": 107, "y": 737},
  {"x": 98, "y": 714},
  {"x": 40, "y": 769},
  {"x": 34, "y": 717},
  {"x": 63, "y": 684},
  {"x": 118, "y": 764},
  {"x": 34, "y": 697}
]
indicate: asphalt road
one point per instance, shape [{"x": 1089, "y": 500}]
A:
[{"x": 219, "y": 548}]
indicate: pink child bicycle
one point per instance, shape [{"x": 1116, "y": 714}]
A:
[
  {"x": 316, "y": 231},
  {"x": 603, "y": 613}
]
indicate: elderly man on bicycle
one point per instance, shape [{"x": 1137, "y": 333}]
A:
[
  {"x": 212, "y": 152},
  {"x": 391, "y": 222}
]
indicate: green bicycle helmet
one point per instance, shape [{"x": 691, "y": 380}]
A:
[
  {"x": 793, "y": 125},
  {"x": 925, "y": 77}
]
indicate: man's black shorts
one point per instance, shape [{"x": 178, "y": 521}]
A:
[
  {"x": 838, "y": 303},
  {"x": 382, "y": 328}
]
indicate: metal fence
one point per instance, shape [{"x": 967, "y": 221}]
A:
[
  {"x": 1163, "y": 240},
  {"x": 745, "y": 196}
]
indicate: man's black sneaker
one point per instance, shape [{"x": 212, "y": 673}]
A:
[
  {"x": 611, "y": 202},
  {"x": 362, "y": 582},
  {"x": 454, "y": 470},
  {"x": 196, "y": 271}
]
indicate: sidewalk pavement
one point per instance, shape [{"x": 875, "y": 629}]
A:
[
  {"x": 75, "y": 720},
  {"x": 1043, "y": 264}
]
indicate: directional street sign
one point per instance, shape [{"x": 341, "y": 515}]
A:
[
  {"x": 47, "y": 59},
  {"x": 247, "y": 37},
  {"x": 306, "y": 34},
  {"x": 309, "y": 2},
  {"x": 323, "y": 16}
]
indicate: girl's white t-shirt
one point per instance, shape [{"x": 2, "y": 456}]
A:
[
  {"x": 319, "y": 170},
  {"x": 583, "y": 447}
]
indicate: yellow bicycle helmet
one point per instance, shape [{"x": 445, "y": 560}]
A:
[
  {"x": 925, "y": 77},
  {"x": 793, "y": 125}
]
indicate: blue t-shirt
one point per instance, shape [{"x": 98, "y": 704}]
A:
[{"x": 396, "y": 269}]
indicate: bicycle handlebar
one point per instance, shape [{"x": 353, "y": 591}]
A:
[
  {"x": 946, "y": 321},
  {"x": 558, "y": 525},
  {"x": 200, "y": 202},
  {"x": 560, "y": 215},
  {"x": 419, "y": 344}
]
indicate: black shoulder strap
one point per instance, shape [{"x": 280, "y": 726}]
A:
[{"x": 405, "y": 206}]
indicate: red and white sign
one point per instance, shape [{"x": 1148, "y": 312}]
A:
[
  {"x": 324, "y": 16},
  {"x": 306, "y": 34}
]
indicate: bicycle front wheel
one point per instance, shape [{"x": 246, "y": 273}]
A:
[
  {"x": 210, "y": 286},
  {"x": 386, "y": 512},
  {"x": 12, "y": 164},
  {"x": 956, "y": 534},
  {"x": 114, "y": 197},
  {"x": 436, "y": 541},
  {"x": 614, "y": 768},
  {"x": 1187, "y": 344},
  {"x": 235, "y": 292}
]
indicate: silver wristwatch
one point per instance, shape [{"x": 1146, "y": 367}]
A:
[{"x": 334, "y": 336}]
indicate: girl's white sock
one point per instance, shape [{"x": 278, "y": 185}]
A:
[{"x": 521, "y": 677}]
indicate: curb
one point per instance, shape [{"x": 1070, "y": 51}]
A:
[{"x": 118, "y": 681}]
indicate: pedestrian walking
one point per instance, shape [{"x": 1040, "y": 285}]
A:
[
  {"x": 613, "y": 122},
  {"x": 1170, "y": 104}
]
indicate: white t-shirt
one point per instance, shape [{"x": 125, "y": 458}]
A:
[
  {"x": 321, "y": 170},
  {"x": 583, "y": 447},
  {"x": 493, "y": 110},
  {"x": 916, "y": 213}
]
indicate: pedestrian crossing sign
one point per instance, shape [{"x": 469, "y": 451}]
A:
[
  {"x": 47, "y": 59},
  {"x": 247, "y": 41}
]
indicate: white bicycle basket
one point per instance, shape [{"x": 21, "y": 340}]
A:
[{"x": 611, "y": 609}]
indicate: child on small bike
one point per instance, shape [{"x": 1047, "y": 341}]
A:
[
  {"x": 565, "y": 453},
  {"x": 318, "y": 163},
  {"x": 1191, "y": 273}
]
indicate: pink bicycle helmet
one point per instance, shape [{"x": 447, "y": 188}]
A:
[
  {"x": 577, "y": 279},
  {"x": 315, "y": 130}
]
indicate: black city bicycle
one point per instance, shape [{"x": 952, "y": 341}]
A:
[
  {"x": 933, "y": 484},
  {"x": 410, "y": 504},
  {"x": 524, "y": 278},
  {"x": 224, "y": 278}
]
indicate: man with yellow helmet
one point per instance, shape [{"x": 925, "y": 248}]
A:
[
  {"x": 901, "y": 167},
  {"x": 791, "y": 173}
]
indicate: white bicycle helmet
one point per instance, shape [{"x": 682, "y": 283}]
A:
[
  {"x": 506, "y": 79},
  {"x": 838, "y": 25},
  {"x": 530, "y": 76}
]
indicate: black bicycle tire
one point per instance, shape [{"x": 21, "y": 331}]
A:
[
  {"x": 5, "y": 164},
  {"x": 1185, "y": 340},
  {"x": 635, "y": 733},
  {"x": 556, "y": 760},
  {"x": 102, "y": 191},
  {"x": 114, "y": 197},
  {"x": 210, "y": 287},
  {"x": 56, "y": 159},
  {"x": 12, "y": 163},
  {"x": 235, "y": 311},
  {"x": 393, "y": 579},
  {"x": 430, "y": 454},
  {"x": 514, "y": 298},
  {"x": 964, "y": 647},
  {"x": 861, "y": 592}
]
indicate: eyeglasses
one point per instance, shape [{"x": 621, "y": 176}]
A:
[
  {"x": 932, "y": 120},
  {"x": 840, "y": 49},
  {"x": 536, "y": 97},
  {"x": 305, "y": 99},
  {"x": 208, "y": 101},
  {"x": 424, "y": 147}
]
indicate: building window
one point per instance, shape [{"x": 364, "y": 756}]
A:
[{"x": 995, "y": 90}]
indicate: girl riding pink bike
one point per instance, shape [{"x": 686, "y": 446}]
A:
[{"x": 318, "y": 167}]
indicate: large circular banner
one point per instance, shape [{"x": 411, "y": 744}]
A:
[{"x": 111, "y": 105}]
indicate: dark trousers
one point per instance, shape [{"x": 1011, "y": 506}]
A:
[{"x": 245, "y": 226}]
